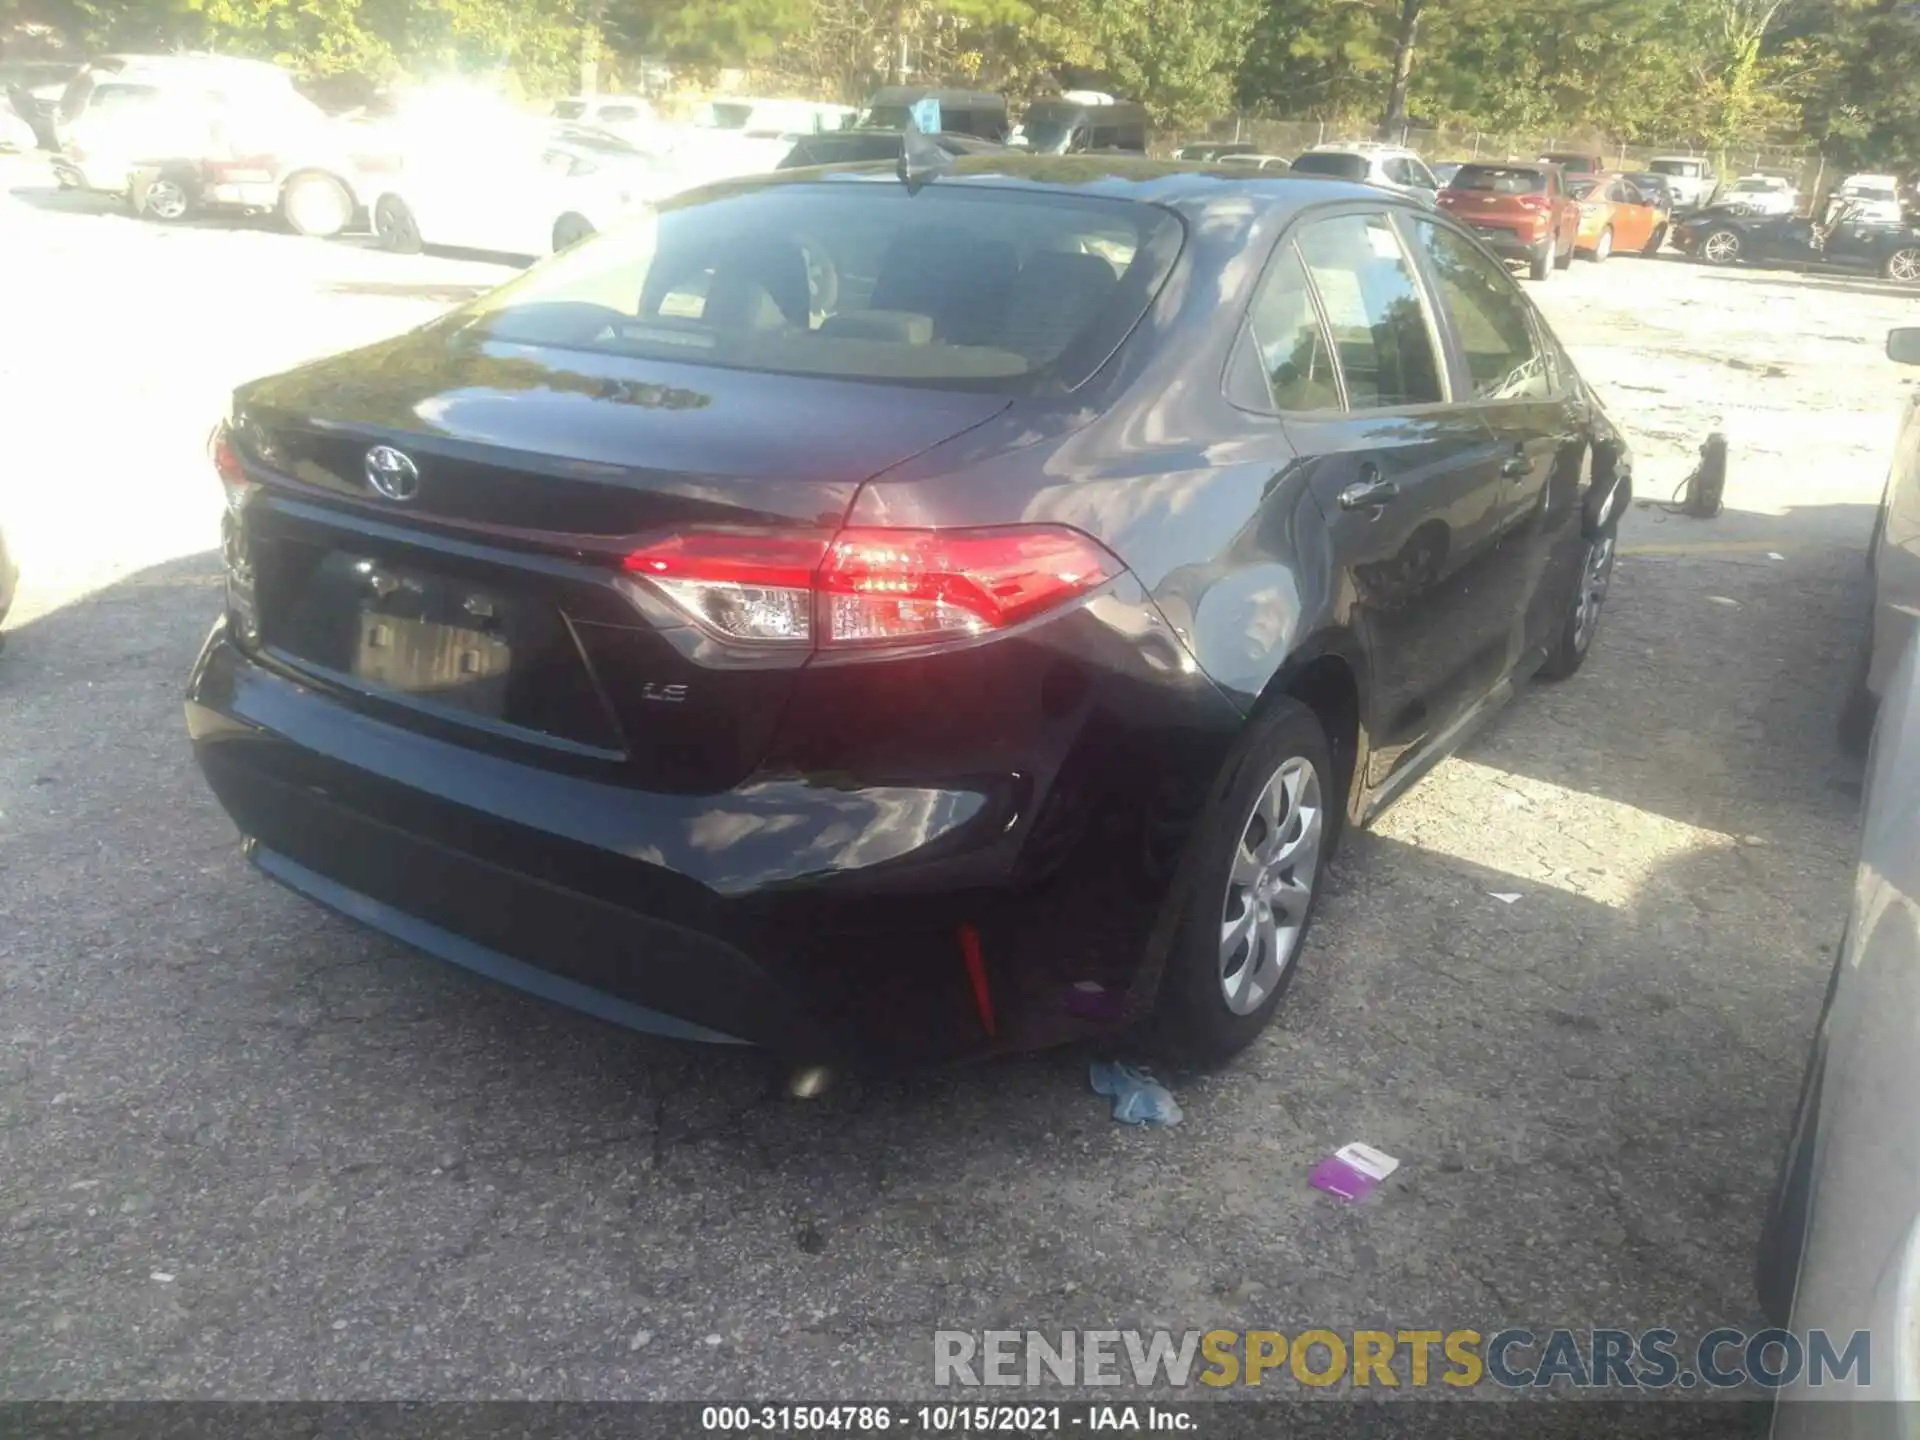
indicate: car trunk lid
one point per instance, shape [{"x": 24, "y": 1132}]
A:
[{"x": 483, "y": 597}]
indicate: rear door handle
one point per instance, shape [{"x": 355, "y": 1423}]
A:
[{"x": 1369, "y": 494}]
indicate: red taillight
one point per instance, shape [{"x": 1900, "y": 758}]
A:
[
  {"x": 872, "y": 586},
  {"x": 226, "y": 464}
]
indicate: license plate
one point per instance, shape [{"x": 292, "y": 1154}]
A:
[{"x": 424, "y": 658}]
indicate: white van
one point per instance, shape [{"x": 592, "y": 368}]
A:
[{"x": 1690, "y": 179}]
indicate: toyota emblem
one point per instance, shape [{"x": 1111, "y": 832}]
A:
[{"x": 392, "y": 473}]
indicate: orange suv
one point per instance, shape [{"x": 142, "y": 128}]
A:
[{"x": 1519, "y": 211}]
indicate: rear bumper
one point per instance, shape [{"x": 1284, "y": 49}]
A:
[
  {"x": 246, "y": 195},
  {"x": 821, "y": 920},
  {"x": 1510, "y": 241}
]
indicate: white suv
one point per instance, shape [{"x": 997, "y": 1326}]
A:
[{"x": 1388, "y": 166}]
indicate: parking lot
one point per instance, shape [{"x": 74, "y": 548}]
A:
[{"x": 249, "y": 1149}]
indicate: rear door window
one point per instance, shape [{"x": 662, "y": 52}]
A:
[
  {"x": 1382, "y": 331},
  {"x": 619, "y": 114},
  {"x": 1489, "y": 315}
]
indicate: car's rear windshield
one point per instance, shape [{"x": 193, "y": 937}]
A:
[
  {"x": 726, "y": 115},
  {"x": 1869, "y": 192},
  {"x": 1501, "y": 179},
  {"x": 1580, "y": 189},
  {"x": 569, "y": 109},
  {"x": 950, "y": 287},
  {"x": 1684, "y": 169},
  {"x": 1324, "y": 162}
]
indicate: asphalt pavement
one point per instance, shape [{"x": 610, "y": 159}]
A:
[{"x": 250, "y": 1150}]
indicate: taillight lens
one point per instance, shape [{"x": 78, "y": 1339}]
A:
[
  {"x": 873, "y": 586},
  {"x": 742, "y": 586},
  {"x": 226, "y": 464}
]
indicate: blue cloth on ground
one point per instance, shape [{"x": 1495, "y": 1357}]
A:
[{"x": 1138, "y": 1099}]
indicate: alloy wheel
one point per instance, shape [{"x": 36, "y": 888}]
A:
[
  {"x": 394, "y": 226},
  {"x": 318, "y": 207},
  {"x": 1904, "y": 266},
  {"x": 1596, "y": 576},
  {"x": 1721, "y": 246},
  {"x": 1271, "y": 885},
  {"x": 166, "y": 200}
]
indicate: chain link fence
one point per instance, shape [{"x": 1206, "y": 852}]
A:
[{"x": 1289, "y": 137}]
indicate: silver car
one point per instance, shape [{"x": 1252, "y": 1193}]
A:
[
  {"x": 1893, "y": 563},
  {"x": 1840, "y": 1253}
]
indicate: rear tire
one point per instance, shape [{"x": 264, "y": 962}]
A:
[
  {"x": 1720, "y": 246},
  {"x": 1603, "y": 246},
  {"x": 1903, "y": 265},
  {"x": 569, "y": 230},
  {"x": 316, "y": 205},
  {"x": 394, "y": 226},
  {"x": 1583, "y": 610},
  {"x": 1544, "y": 261},
  {"x": 1260, "y": 855},
  {"x": 1655, "y": 241},
  {"x": 167, "y": 198}
]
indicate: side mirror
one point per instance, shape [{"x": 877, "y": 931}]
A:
[{"x": 1903, "y": 345}]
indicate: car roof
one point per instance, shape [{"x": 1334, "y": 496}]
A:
[
  {"x": 1360, "y": 147},
  {"x": 1196, "y": 191}
]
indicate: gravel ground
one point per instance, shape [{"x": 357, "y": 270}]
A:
[{"x": 249, "y": 1150}]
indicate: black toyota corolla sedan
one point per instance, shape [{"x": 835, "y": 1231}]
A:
[{"x": 900, "y": 619}]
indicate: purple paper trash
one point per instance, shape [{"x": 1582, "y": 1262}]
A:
[{"x": 1352, "y": 1171}]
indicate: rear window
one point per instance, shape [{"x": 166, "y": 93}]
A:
[
  {"x": 1683, "y": 169},
  {"x": 1501, "y": 179},
  {"x": 569, "y": 109},
  {"x": 1340, "y": 167},
  {"x": 844, "y": 149},
  {"x": 952, "y": 287},
  {"x": 118, "y": 96},
  {"x": 1581, "y": 189},
  {"x": 722, "y": 115}
]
